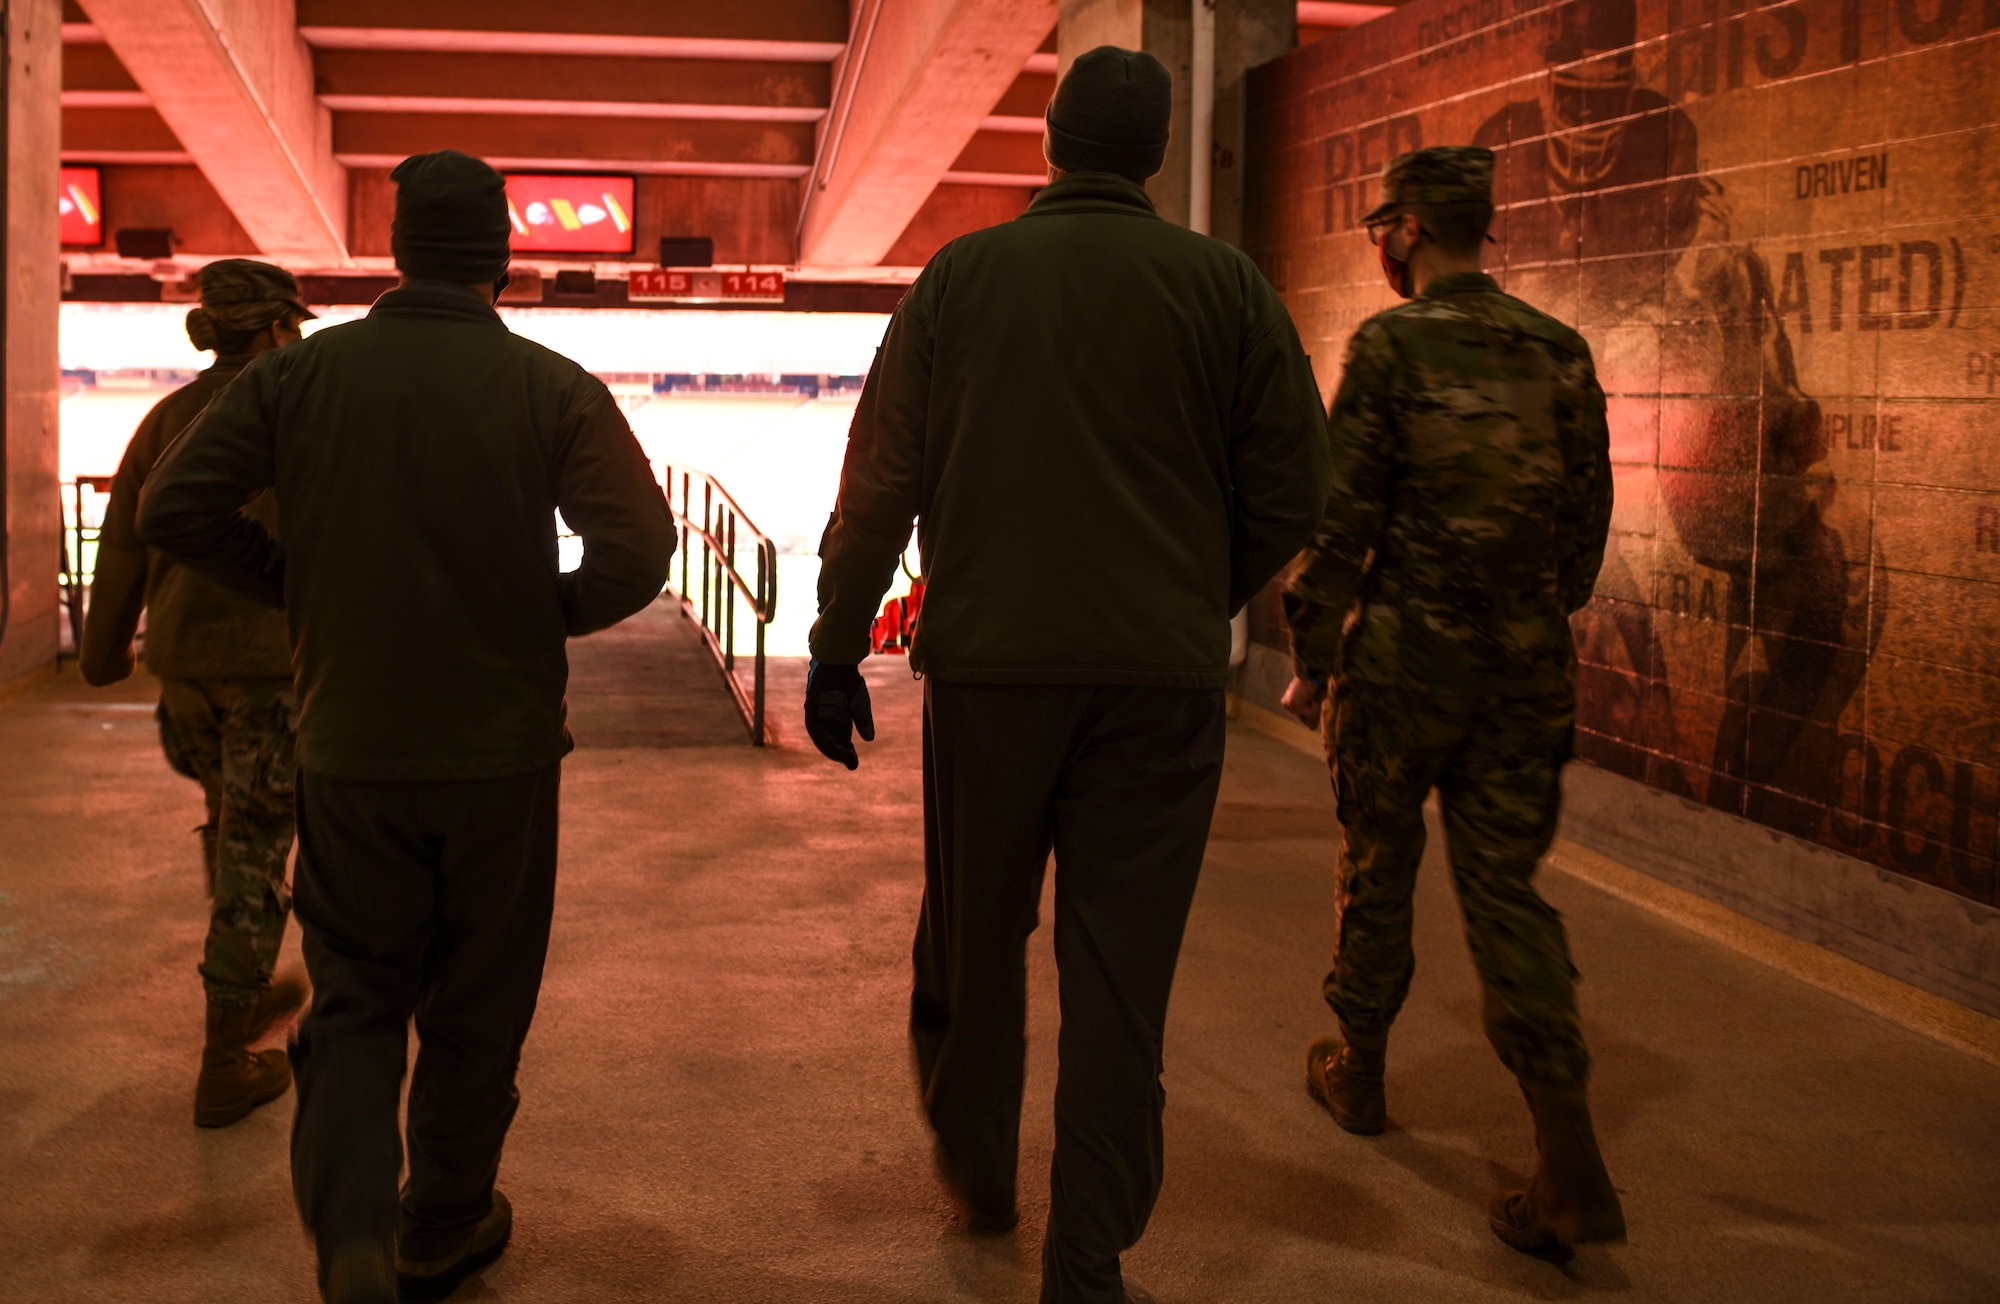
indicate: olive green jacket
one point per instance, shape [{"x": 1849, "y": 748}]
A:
[
  {"x": 1108, "y": 436},
  {"x": 1471, "y": 500},
  {"x": 421, "y": 455},
  {"x": 195, "y": 628}
]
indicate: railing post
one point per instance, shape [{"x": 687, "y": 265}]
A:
[
  {"x": 728, "y": 587},
  {"x": 685, "y": 603},
  {"x": 707, "y": 552},
  {"x": 767, "y": 582}
]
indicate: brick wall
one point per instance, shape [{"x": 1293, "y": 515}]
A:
[{"x": 1779, "y": 228}]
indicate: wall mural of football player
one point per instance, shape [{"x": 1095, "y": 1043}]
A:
[{"x": 1597, "y": 167}]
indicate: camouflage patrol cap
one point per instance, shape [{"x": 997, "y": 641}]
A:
[
  {"x": 1442, "y": 174},
  {"x": 243, "y": 294}
]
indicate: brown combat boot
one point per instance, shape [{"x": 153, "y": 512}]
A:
[
  {"x": 234, "y": 1079},
  {"x": 1571, "y": 1200},
  {"x": 1344, "y": 1074},
  {"x": 285, "y": 997}
]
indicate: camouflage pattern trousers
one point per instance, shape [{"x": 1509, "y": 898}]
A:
[
  {"x": 1497, "y": 766},
  {"x": 235, "y": 737}
]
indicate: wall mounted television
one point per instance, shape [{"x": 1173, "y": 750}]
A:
[
  {"x": 80, "y": 201},
  {"x": 568, "y": 213}
]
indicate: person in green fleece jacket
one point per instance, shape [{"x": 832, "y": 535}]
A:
[
  {"x": 1110, "y": 438},
  {"x": 421, "y": 455}
]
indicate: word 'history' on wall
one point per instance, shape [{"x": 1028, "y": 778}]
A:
[{"x": 1778, "y": 225}]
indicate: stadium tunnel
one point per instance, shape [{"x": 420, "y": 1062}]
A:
[{"x": 717, "y": 204}]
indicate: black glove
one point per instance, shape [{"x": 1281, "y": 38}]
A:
[{"x": 836, "y": 706}]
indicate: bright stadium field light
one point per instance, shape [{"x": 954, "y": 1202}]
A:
[{"x": 759, "y": 400}]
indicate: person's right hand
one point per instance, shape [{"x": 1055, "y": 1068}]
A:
[
  {"x": 836, "y": 706},
  {"x": 1304, "y": 700}
]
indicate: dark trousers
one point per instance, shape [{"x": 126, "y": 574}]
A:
[
  {"x": 1120, "y": 783},
  {"x": 429, "y": 900}
]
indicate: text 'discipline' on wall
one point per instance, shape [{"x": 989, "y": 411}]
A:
[{"x": 1778, "y": 225}]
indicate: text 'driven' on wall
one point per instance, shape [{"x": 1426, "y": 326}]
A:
[{"x": 1778, "y": 225}]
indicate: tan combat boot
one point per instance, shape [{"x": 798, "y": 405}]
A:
[
  {"x": 285, "y": 997},
  {"x": 234, "y": 1079},
  {"x": 1571, "y": 1200},
  {"x": 1344, "y": 1074}
]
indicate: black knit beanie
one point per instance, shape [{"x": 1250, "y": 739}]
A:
[
  {"x": 451, "y": 218},
  {"x": 1110, "y": 114}
]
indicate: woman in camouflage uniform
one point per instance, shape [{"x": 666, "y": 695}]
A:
[{"x": 227, "y": 712}]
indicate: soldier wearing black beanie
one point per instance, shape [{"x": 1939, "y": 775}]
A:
[
  {"x": 1110, "y": 114},
  {"x": 451, "y": 219},
  {"x": 422, "y": 454}
]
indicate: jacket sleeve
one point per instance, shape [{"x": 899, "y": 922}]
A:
[
  {"x": 118, "y": 579},
  {"x": 1325, "y": 581},
  {"x": 881, "y": 482},
  {"x": 191, "y": 506},
  {"x": 608, "y": 494},
  {"x": 1585, "y": 513},
  {"x": 1278, "y": 457}
]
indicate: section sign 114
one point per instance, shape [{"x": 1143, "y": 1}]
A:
[{"x": 701, "y": 285}]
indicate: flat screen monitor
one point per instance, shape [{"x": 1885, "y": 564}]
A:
[
  {"x": 81, "y": 203},
  {"x": 570, "y": 214}
]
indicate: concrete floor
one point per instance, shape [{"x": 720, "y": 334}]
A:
[{"x": 717, "y": 1104}]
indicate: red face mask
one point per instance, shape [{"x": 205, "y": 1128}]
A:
[{"x": 1395, "y": 270}]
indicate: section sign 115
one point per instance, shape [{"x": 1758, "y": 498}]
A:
[
  {"x": 701, "y": 285},
  {"x": 570, "y": 214}
]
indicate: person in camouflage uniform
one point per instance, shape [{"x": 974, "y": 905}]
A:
[
  {"x": 227, "y": 712},
  {"x": 1469, "y": 505}
]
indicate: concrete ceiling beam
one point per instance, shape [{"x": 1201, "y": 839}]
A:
[
  {"x": 1028, "y": 97},
  {"x": 809, "y": 30},
  {"x": 94, "y": 79},
  {"x": 1015, "y": 154},
  {"x": 687, "y": 148},
  {"x": 452, "y": 41},
  {"x": 1321, "y": 13},
  {"x": 416, "y": 82},
  {"x": 234, "y": 83},
  {"x": 119, "y": 135},
  {"x": 919, "y": 79}
]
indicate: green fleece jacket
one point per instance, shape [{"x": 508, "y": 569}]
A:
[
  {"x": 195, "y": 628},
  {"x": 1108, "y": 436},
  {"x": 421, "y": 455}
]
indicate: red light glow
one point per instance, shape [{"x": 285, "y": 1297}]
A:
[{"x": 570, "y": 214}]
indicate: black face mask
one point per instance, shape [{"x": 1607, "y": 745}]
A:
[{"x": 500, "y": 285}]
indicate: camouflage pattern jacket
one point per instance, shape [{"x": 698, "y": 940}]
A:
[{"x": 1470, "y": 500}]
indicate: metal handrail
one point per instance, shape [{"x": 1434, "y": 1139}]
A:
[
  {"x": 720, "y": 528},
  {"x": 76, "y": 568}
]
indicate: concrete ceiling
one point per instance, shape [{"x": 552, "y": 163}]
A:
[{"x": 871, "y": 128}]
